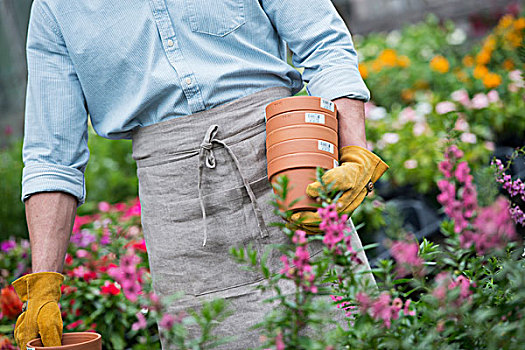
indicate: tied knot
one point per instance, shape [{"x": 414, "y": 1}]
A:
[{"x": 207, "y": 145}]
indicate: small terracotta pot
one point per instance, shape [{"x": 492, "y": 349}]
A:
[
  {"x": 300, "y": 160},
  {"x": 298, "y": 180},
  {"x": 71, "y": 341},
  {"x": 301, "y": 132},
  {"x": 300, "y": 103},
  {"x": 301, "y": 118},
  {"x": 301, "y": 145}
]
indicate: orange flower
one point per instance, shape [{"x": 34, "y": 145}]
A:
[
  {"x": 421, "y": 84},
  {"x": 377, "y": 66},
  {"x": 514, "y": 39},
  {"x": 505, "y": 21},
  {"x": 388, "y": 57},
  {"x": 10, "y": 304},
  {"x": 439, "y": 64},
  {"x": 407, "y": 95},
  {"x": 508, "y": 64},
  {"x": 490, "y": 43},
  {"x": 462, "y": 76},
  {"x": 403, "y": 61},
  {"x": 483, "y": 57},
  {"x": 519, "y": 24},
  {"x": 480, "y": 71},
  {"x": 363, "y": 70},
  {"x": 468, "y": 61},
  {"x": 491, "y": 80}
]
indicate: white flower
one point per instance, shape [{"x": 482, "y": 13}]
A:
[
  {"x": 445, "y": 107},
  {"x": 457, "y": 37},
  {"x": 423, "y": 108},
  {"x": 468, "y": 137},
  {"x": 410, "y": 164},
  {"x": 419, "y": 128},
  {"x": 390, "y": 137},
  {"x": 377, "y": 113},
  {"x": 393, "y": 38},
  {"x": 426, "y": 53}
]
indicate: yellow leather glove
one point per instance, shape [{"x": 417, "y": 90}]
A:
[
  {"x": 358, "y": 170},
  {"x": 41, "y": 291}
]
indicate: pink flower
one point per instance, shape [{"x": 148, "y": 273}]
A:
[
  {"x": 446, "y": 168},
  {"x": 406, "y": 310},
  {"x": 461, "y": 125},
  {"x": 299, "y": 237},
  {"x": 82, "y": 253},
  {"x": 493, "y": 96},
  {"x": 167, "y": 321},
  {"x": 480, "y": 101},
  {"x": 461, "y": 96},
  {"x": 515, "y": 76},
  {"x": 141, "y": 323},
  {"x": 408, "y": 114},
  {"x": 279, "y": 343},
  {"x": 453, "y": 152},
  {"x": 462, "y": 172},
  {"x": 445, "y": 107},
  {"x": 407, "y": 258},
  {"x": 419, "y": 128},
  {"x": 104, "y": 207},
  {"x": 468, "y": 137}
]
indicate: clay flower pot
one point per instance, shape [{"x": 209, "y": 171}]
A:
[
  {"x": 71, "y": 341},
  {"x": 300, "y": 103},
  {"x": 300, "y": 169},
  {"x": 301, "y": 118},
  {"x": 301, "y": 132},
  {"x": 302, "y": 145},
  {"x": 298, "y": 180}
]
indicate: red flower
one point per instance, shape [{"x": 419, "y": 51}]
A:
[
  {"x": 110, "y": 288},
  {"x": 74, "y": 324},
  {"x": 69, "y": 259},
  {"x": 10, "y": 304},
  {"x": 141, "y": 246},
  {"x": 5, "y": 344}
]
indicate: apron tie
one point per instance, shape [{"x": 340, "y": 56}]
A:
[{"x": 206, "y": 150}]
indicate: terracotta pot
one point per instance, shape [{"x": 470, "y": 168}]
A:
[
  {"x": 300, "y": 103},
  {"x": 300, "y": 160},
  {"x": 298, "y": 180},
  {"x": 301, "y": 132},
  {"x": 300, "y": 118},
  {"x": 300, "y": 146},
  {"x": 71, "y": 341}
]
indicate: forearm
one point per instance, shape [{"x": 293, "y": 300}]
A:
[
  {"x": 351, "y": 119},
  {"x": 50, "y": 217}
]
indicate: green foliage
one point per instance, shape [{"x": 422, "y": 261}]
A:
[{"x": 12, "y": 212}]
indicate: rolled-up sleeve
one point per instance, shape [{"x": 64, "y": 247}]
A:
[
  {"x": 55, "y": 151},
  {"x": 320, "y": 43}
]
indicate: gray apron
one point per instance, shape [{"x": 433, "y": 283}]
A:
[{"x": 203, "y": 188}]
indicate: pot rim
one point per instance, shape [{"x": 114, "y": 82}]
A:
[
  {"x": 299, "y": 103},
  {"x": 319, "y": 132},
  {"x": 329, "y": 120},
  {"x": 300, "y": 160},
  {"x": 96, "y": 337}
]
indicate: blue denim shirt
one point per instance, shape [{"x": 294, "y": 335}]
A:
[{"x": 132, "y": 63}]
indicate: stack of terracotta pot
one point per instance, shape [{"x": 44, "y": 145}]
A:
[{"x": 301, "y": 135}]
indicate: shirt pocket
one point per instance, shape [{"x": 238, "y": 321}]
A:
[{"x": 219, "y": 17}]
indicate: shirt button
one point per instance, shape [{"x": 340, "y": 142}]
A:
[
  {"x": 188, "y": 81},
  {"x": 170, "y": 43}
]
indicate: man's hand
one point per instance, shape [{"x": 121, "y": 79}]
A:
[
  {"x": 358, "y": 167},
  {"x": 41, "y": 293},
  {"x": 355, "y": 176}
]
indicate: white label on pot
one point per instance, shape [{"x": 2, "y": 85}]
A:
[
  {"x": 30, "y": 348},
  {"x": 314, "y": 118},
  {"x": 336, "y": 163},
  {"x": 325, "y": 146},
  {"x": 327, "y": 105}
]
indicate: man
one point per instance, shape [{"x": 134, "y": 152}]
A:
[{"x": 188, "y": 81}]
